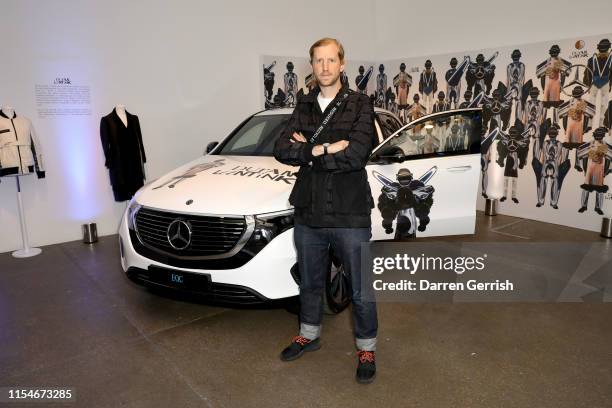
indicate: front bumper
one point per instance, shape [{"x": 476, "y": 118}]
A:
[{"x": 264, "y": 277}]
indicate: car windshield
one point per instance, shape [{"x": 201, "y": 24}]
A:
[{"x": 256, "y": 137}]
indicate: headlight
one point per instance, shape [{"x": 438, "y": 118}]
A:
[
  {"x": 267, "y": 226},
  {"x": 132, "y": 210}
]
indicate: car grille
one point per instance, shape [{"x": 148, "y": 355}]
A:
[{"x": 210, "y": 235}]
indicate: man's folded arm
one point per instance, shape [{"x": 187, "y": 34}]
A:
[
  {"x": 356, "y": 155},
  {"x": 291, "y": 152}
]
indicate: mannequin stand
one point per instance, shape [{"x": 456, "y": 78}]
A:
[
  {"x": 491, "y": 207},
  {"x": 606, "y": 227},
  {"x": 26, "y": 251}
]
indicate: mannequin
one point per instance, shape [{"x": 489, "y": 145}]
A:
[
  {"x": 120, "y": 109},
  {"x": 20, "y": 152},
  {"x": 123, "y": 152}
]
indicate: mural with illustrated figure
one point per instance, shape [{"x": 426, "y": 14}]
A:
[{"x": 557, "y": 92}]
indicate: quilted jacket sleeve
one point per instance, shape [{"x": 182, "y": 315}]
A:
[{"x": 292, "y": 153}]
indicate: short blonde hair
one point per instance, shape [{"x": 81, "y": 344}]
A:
[{"x": 327, "y": 41}]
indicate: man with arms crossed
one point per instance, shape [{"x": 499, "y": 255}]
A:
[{"x": 330, "y": 136}]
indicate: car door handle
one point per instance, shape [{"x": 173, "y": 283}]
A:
[{"x": 459, "y": 169}]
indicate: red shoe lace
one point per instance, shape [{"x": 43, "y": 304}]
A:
[
  {"x": 301, "y": 340},
  {"x": 366, "y": 356}
]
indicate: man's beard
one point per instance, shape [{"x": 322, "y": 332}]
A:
[{"x": 328, "y": 81}]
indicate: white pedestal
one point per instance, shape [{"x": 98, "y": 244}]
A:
[{"x": 26, "y": 251}]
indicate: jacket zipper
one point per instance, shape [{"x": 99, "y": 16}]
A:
[{"x": 18, "y": 152}]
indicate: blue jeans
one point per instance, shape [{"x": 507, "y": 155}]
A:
[{"x": 313, "y": 245}]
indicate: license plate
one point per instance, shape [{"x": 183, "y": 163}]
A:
[{"x": 194, "y": 282}]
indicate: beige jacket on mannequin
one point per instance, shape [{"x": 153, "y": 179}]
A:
[{"x": 19, "y": 149}]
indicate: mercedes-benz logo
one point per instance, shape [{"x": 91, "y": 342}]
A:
[
  {"x": 576, "y": 75},
  {"x": 179, "y": 234}
]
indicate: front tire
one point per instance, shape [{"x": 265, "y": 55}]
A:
[
  {"x": 337, "y": 294},
  {"x": 337, "y": 291}
]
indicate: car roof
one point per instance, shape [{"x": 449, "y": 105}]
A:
[{"x": 289, "y": 111}]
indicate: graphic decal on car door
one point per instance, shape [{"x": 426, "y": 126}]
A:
[{"x": 405, "y": 201}]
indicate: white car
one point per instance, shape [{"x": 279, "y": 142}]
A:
[{"x": 222, "y": 225}]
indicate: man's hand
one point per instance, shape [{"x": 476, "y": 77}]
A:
[
  {"x": 338, "y": 146},
  {"x": 297, "y": 137}
]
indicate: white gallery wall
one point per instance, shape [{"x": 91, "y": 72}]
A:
[{"x": 186, "y": 69}]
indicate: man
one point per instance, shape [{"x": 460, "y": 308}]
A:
[{"x": 331, "y": 197}]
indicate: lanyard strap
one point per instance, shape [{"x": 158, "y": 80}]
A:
[{"x": 331, "y": 113}]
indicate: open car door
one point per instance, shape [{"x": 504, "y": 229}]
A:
[{"x": 424, "y": 178}]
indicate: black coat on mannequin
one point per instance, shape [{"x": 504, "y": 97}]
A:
[{"x": 124, "y": 154}]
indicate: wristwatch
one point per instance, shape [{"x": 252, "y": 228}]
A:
[{"x": 325, "y": 146}]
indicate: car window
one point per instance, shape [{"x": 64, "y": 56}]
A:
[
  {"x": 388, "y": 124},
  {"x": 250, "y": 137},
  {"x": 440, "y": 135},
  {"x": 256, "y": 137}
]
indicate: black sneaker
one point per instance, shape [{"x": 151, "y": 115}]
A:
[
  {"x": 298, "y": 346},
  {"x": 366, "y": 369}
]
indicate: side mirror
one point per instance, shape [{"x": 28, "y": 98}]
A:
[
  {"x": 211, "y": 146},
  {"x": 392, "y": 154}
]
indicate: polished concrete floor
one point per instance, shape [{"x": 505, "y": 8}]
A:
[{"x": 69, "y": 318}]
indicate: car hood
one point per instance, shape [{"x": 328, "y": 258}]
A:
[{"x": 222, "y": 185}]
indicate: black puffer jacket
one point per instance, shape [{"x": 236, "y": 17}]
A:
[{"x": 331, "y": 190}]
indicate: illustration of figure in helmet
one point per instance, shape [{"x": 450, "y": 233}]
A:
[
  {"x": 415, "y": 110},
  {"x": 453, "y": 81},
  {"x": 361, "y": 80},
  {"x": 480, "y": 74},
  {"x": 596, "y": 157},
  {"x": 428, "y": 143},
  {"x": 497, "y": 109},
  {"x": 402, "y": 83},
  {"x": 512, "y": 150},
  {"x": 291, "y": 85},
  {"x": 550, "y": 164},
  {"x": 269, "y": 81},
  {"x": 428, "y": 86},
  {"x": 552, "y": 74},
  {"x": 391, "y": 105},
  {"x": 456, "y": 140},
  {"x": 381, "y": 87},
  {"x": 344, "y": 79},
  {"x": 515, "y": 82},
  {"x": 405, "y": 201},
  {"x": 533, "y": 113},
  {"x": 576, "y": 115},
  {"x": 467, "y": 100},
  {"x": 441, "y": 104},
  {"x": 600, "y": 77}
]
